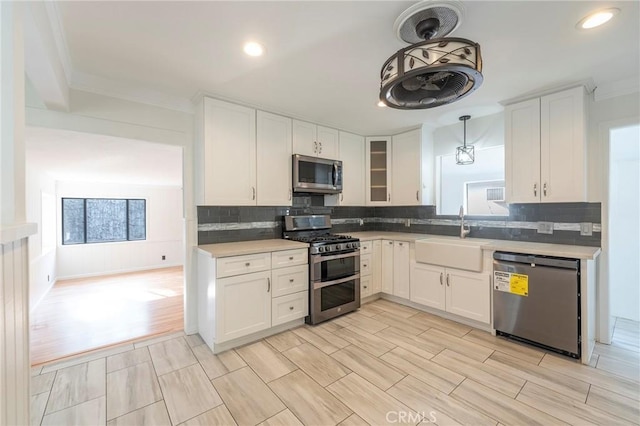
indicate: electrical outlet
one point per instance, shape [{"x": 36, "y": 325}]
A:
[
  {"x": 545, "y": 227},
  {"x": 586, "y": 229},
  {"x": 164, "y": 257}
]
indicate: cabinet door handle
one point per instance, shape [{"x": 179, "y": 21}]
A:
[
  {"x": 291, "y": 308},
  {"x": 535, "y": 189},
  {"x": 418, "y": 195},
  {"x": 247, "y": 264},
  {"x": 389, "y": 197},
  {"x": 289, "y": 195},
  {"x": 290, "y": 257},
  {"x": 253, "y": 191},
  {"x": 400, "y": 244},
  {"x": 441, "y": 278},
  {"x": 291, "y": 280},
  {"x": 544, "y": 189},
  {"x": 268, "y": 285},
  {"x": 341, "y": 197},
  {"x": 315, "y": 146},
  {"x": 447, "y": 280},
  {"x": 320, "y": 147}
]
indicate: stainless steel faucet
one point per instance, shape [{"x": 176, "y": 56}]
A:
[{"x": 463, "y": 231}]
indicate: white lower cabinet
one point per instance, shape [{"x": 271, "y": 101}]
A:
[
  {"x": 395, "y": 268},
  {"x": 387, "y": 266},
  {"x": 427, "y": 286},
  {"x": 242, "y": 295},
  {"x": 463, "y": 293},
  {"x": 243, "y": 305},
  {"x": 366, "y": 289},
  {"x": 290, "y": 307}
]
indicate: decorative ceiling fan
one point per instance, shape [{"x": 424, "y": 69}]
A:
[{"x": 434, "y": 70}]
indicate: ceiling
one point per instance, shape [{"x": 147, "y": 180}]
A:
[
  {"x": 84, "y": 157},
  {"x": 323, "y": 57}
]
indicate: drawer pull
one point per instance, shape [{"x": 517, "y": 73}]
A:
[
  {"x": 364, "y": 266},
  {"x": 290, "y": 257},
  {"x": 447, "y": 280},
  {"x": 291, "y": 308},
  {"x": 440, "y": 278},
  {"x": 247, "y": 264},
  {"x": 291, "y": 280},
  {"x": 365, "y": 286},
  {"x": 268, "y": 285}
]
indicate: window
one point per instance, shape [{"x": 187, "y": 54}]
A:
[
  {"x": 479, "y": 187},
  {"x": 102, "y": 220}
]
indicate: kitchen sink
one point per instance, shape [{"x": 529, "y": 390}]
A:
[{"x": 451, "y": 252}]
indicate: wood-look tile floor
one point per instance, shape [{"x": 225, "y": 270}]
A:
[
  {"x": 83, "y": 314},
  {"x": 384, "y": 364}
]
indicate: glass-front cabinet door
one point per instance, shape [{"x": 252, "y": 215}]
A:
[{"x": 378, "y": 170}]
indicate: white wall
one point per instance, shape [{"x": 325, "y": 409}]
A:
[
  {"x": 624, "y": 223},
  {"x": 41, "y": 209},
  {"x": 164, "y": 233},
  {"x": 603, "y": 116}
]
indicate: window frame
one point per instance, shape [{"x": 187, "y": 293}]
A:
[{"x": 127, "y": 221}]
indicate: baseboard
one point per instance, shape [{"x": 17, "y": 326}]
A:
[{"x": 120, "y": 271}]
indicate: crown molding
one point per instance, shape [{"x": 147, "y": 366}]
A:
[
  {"x": 588, "y": 84},
  {"x": 617, "y": 88}
]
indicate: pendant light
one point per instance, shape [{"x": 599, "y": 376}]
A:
[{"x": 465, "y": 154}]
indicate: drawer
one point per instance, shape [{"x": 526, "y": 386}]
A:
[
  {"x": 365, "y": 264},
  {"x": 365, "y": 287},
  {"x": 236, "y": 265},
  {"x": 366, "y": 247},
  {"x": 290, "y": 307},
  {"x": 281, "y": 259},
  {"x": 290, "y": 280}
]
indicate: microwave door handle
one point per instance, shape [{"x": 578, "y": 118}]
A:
[{"x": 335, "y": 174}]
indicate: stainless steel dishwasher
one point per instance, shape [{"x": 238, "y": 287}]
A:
[{"x": 536, "y": 299}]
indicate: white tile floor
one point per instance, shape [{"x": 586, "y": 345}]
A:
[{"x": 386, "y": 363}]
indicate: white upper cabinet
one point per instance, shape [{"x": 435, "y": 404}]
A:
[
  {"x": 378, "y": 170},
  {"x": 229, "y": 154},
  {"x": 274, "y": 148},
  {"x": 406, "y": 168},
  {"x": 563, "y": 146},
  {"x": 522, "y": 152},
  {"x": 315, "y": 141},
  {"x": 545, "y": 148},
  {"x": 352, "y": 152}
]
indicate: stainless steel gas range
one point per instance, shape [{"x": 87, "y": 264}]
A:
[{"x": 334, "y": 266}]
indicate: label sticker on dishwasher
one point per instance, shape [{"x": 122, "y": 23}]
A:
[{"x": 511, "y": 283}]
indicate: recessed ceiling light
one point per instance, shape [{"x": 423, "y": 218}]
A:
[
  {"x": 253, "y": 48},
  {"x": 595, "y": 19},
  {"x": 381, "y": 104}
]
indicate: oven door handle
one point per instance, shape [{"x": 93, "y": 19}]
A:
[
  {"x": 320, "y": 284},
  {"x": 319, "y": 259}
]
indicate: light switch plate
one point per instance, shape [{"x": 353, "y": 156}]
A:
[
  {"x": 586, "y": 229},
  {"x": 545, "y": 227}
]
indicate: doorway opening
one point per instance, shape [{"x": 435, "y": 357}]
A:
[
  {"x": 107, "y": 263},
  {"x": 624, "y": 229}
]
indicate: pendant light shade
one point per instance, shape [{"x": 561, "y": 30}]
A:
[{"x": 465, "y": 154}]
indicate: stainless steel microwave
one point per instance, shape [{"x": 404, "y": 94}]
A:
[{"x": 319, "y": 175}]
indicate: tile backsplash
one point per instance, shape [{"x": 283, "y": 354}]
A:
[{"x": 218, "y": 224}]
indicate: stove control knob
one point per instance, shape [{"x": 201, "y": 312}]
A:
[
  {"x": 337, "y": 246},
  {"x": 348, "y": 245},
  {"x": 321, "y": 249}
]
